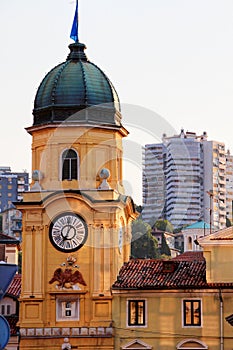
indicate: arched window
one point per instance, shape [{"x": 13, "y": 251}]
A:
[
  {"x": 70, "y": 165},
  {"x": 190, "y": 243}
]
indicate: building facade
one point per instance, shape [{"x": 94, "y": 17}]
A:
[
  {"x": 229, "y": 186},
  {"x": 215, "y": 195},
  {"x": 12, "y": 222},
  {"x": 192, "y": 171},
  {"x": 76, "y": 218},
  {"x": 192, "y": 233},
  {"x": 12, "y": 185},
  {"x": 182, "y": 303},
  {"x": 153, "y": 181}
]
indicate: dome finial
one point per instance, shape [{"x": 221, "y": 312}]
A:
[{"x": 74, "y": 29}]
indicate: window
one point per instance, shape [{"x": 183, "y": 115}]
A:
[
  {"x": 69, "y": 165},
  {"x": 136, "y": 313},
  {"x": 8, "y": 309},
  {"x": 67, "y": 310},
  {"x": 5, "y": 309},
  {"x": 192, "y": 313}
]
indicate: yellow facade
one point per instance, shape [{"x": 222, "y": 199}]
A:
[
  {"x": 97, "y": 148},
  {"x": 164, "y": 327},
  {"x": 81, "y": 313}
]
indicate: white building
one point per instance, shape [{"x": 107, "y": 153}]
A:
[
  {"x": 192, "y": 233},
  {"x": 229, "y": 186},
  {"x": 215, "y": 183},
  {"x": 153, "y": 181},
  {"x": 184, "y": 180}
]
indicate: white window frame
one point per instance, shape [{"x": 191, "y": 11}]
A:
[
  {"x": 62, "y": 308},
  {"x": 127, "y": 313},
  {"x": 61, "y": 163},
  {"x": 182, "y": 312},
  {"x": 5, "y": 308}
]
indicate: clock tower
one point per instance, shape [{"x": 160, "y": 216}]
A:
[{"x": 76, "y": 217}]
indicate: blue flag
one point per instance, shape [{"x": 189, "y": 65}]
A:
[{"x": 74, "y": 29}]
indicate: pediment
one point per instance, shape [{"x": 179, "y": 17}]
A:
[
  {"x": 191, "y": 344},
  {"x": 136, "y": 345}
]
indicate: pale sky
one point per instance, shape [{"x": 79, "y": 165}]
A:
[{"x": 173, "y": 58}]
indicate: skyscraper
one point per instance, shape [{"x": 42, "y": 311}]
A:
[{"x": 184, "y": 180}]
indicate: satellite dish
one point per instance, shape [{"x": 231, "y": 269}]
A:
[{"x": 4, "y": 332}]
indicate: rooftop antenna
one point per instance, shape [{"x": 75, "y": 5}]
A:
[{"x": 74, "y": 29}]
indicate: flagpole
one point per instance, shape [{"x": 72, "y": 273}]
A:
[
  {"x": 74, "y": 29},
  {"x": 77, "y": 20}
]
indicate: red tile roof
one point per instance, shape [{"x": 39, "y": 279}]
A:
[
  {"x": 15, "y": 287},
  {"x": 185, "y": 271},
  {"x": 226, "y": 234},
  {"x": 150, "y": 273},
  {"x": 190, "y": 256}
]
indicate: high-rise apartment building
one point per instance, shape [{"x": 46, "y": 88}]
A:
[
  {"x": 12, "y": 185},
  {"x": 215, "y": 195},
  {"x": 184, "y": 180},
  {"x": 229, "y": 185},
  {"x": 153, "y": 181}
]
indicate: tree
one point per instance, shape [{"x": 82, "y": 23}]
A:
[
  {"x": 164, "y": 249},
  {"x": 143, "y": 244},
  {"x": 164, "y": 225},
  {"x": 228, "y": 222}
]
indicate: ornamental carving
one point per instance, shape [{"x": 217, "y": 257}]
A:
[{"x": 68, "y": 277}]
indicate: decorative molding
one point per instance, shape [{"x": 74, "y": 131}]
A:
[
  {"x": 196, "y": 344},
  {"x": 51, "y": 332},
  {"x": 68, "y": 277},
  {"x": 136, "y": 345},
  {"x": 33, "y": 228}
]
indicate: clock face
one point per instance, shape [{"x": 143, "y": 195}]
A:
[{"x": 68, "y": 232}]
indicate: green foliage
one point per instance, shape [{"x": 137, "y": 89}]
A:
[
  {"x": 139, "y": 208},
  {"x": 164, "y": 249},
  {"x": 228, "y": 222},
  {"x": 164, "y": 225},
  {"x": 143, "y": 244}
]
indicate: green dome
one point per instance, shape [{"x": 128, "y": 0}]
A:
[{"x": 73, "y": 86}]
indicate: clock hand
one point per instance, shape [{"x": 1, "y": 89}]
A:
[{"x": 67, "y": 233}]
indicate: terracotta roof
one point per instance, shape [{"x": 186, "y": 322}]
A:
[
  {"x": 15, "y": 287},
  {"x": 157, "y": 274},
  {"x": 225, "y": 234},
  {"x": 185, "y": 271},
  {"x": 190, "y": 256}
]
